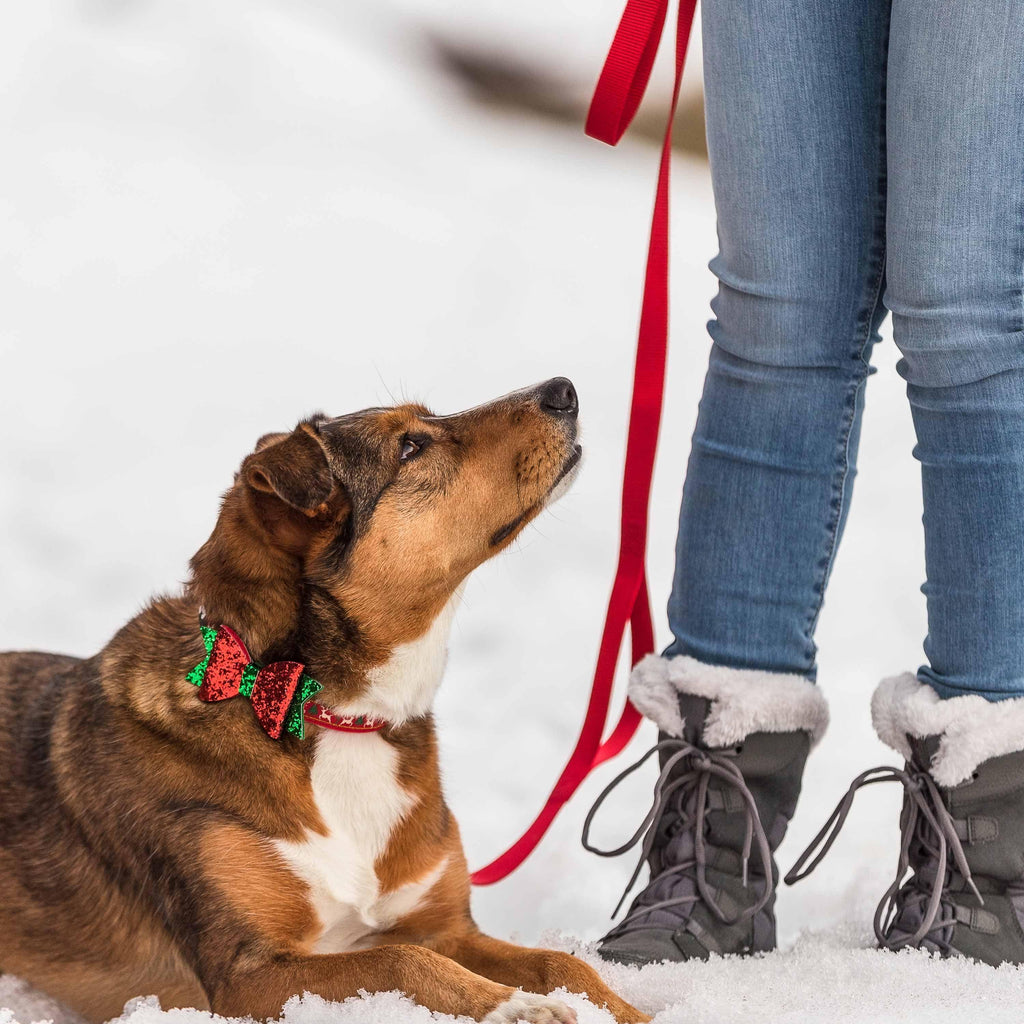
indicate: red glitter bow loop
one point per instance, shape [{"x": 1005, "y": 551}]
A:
[
  {"x": 272, "y": 694},
  {"x": 226, "y": 666},
  {"x": 230, "y": 671}
]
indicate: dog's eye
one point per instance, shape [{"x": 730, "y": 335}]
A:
[{"x": 411, "y": 447}]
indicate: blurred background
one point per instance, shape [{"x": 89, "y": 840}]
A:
[{"x": 217, "y": 216}]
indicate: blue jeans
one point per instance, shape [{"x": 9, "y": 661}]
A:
[{"x": 867, "y": 158}]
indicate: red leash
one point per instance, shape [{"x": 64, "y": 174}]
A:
[{"x": 619, "y": 91}]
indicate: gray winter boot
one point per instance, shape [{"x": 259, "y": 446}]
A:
[
  {"x": 732, "y": 748},
  {"x": 962, "y": 824}
]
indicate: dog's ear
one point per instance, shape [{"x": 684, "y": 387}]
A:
[
  {"x": 291, "y": 466},
  {"x": 293, "y": 491}
]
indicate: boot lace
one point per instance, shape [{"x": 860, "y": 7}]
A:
[
  {"x": 686, "y": 795},
  {"x": 929, "y": 832}
]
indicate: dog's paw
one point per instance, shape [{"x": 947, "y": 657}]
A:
[{"x": 524, "y": 1006}]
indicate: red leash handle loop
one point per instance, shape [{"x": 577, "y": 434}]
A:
[
  {"x": 617, "y": 96},
  {"x": 627, "y": 70}
]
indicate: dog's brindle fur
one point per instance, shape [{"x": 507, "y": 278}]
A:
[{"x": 153, "y": 843}]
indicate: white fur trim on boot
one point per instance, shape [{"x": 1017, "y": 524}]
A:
[
  {"x": 971, "y": 729},
  {"x": 743, "y": 701}
]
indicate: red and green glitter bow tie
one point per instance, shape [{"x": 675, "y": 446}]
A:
[{"x": 278, "y": 692}]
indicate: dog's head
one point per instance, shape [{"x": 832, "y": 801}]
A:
[{"x": 389, "y": 509}]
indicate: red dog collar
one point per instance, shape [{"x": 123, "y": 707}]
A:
[{"x": 317, "y": 714}]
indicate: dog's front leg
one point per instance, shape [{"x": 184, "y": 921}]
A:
[
  {"x": 534, "y": 970},
  {"x": 260, "y": 989}
]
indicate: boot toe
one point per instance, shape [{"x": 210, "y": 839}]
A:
[{"x": 648, "y": 946}]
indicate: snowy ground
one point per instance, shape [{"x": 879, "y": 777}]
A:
[{"x": 217, "y": 217}]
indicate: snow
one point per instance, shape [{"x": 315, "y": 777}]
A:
[
  {"x": 828, "y": 977},
  {"x": 216, "y": 218}
]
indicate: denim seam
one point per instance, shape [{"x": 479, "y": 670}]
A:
[
  {"x": 835, "y": 507},
  {"x": 842, "y": 476},
  {"x": 841, "y": 480}
]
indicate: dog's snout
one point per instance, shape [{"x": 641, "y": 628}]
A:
[{"x": 558, "y": 397}]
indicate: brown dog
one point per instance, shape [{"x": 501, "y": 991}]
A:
[{"x": 157, "y": 838}]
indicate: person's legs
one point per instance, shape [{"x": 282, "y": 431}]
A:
[
  {"x": 956, "y": 290},
  {"x": 795, "y": 93},
  {"x": 955, "y": 227}
]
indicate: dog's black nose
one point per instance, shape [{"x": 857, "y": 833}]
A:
[{"x": 558, "y": 397}]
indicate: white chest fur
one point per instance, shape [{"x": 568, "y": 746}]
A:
[
  {"x": 356, "y": 788},
  {"x": 405, "y": 685},
  {"x": 360, "y": 800}
]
